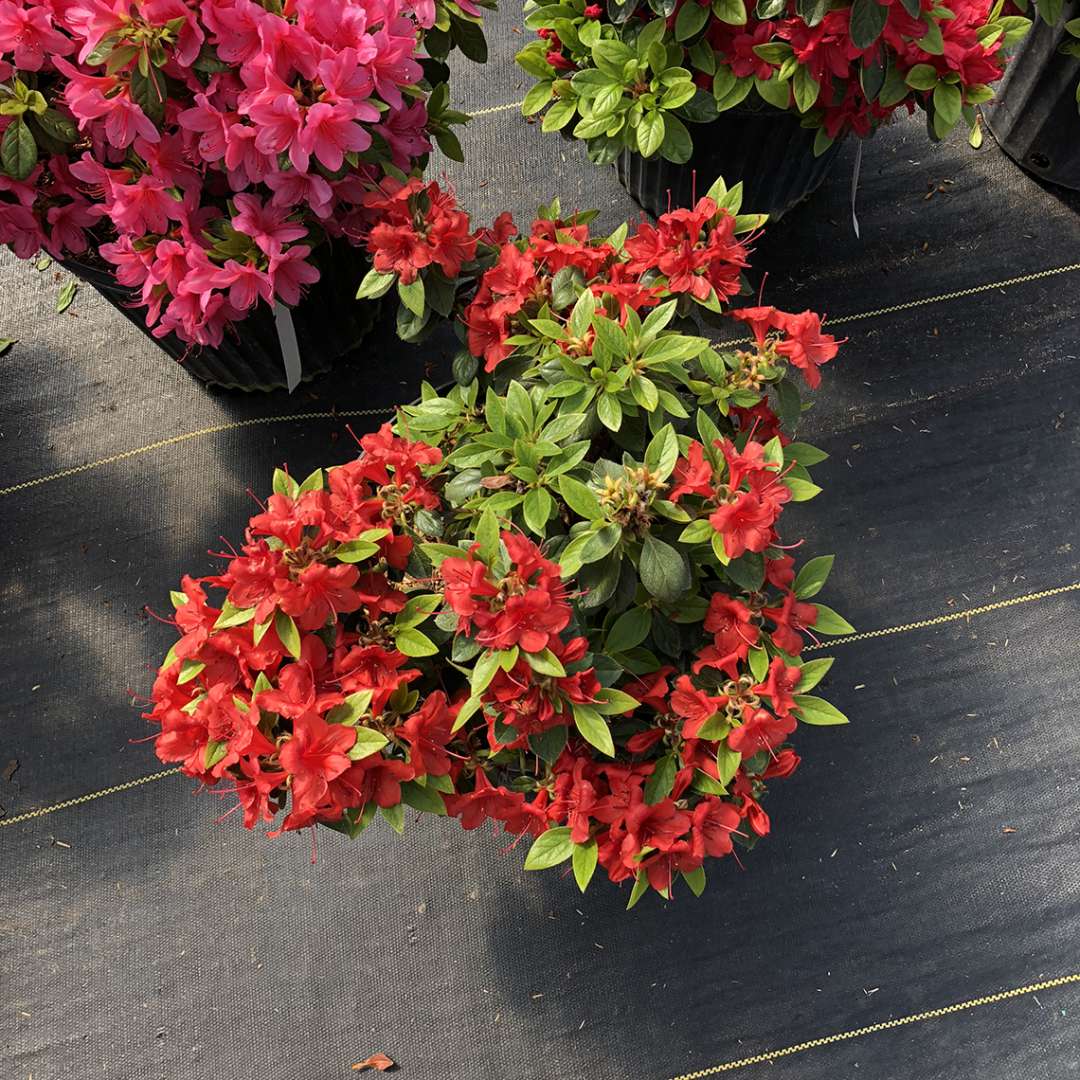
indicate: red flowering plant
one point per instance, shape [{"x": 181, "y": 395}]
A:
[
  {"x": 204, "y": 149},
  {"x": 558, "y": 597},
  {"x": 629, "y": 76}
]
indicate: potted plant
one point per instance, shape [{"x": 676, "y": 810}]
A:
[
  {"x": 207, "y": 162},
  {"x": 555, "y": 597},
  {"x": 768, "y": 93},
  {"x": 1034, "y": 114}
]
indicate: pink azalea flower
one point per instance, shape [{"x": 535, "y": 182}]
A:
[
  {"x": 93, "y": 19},
  {"x": 143, "y": 206},
  {"x": 269, "y": 226},
  {"x": 67, "y": 223},
  {"x": 292, "y": 188},
  {"x": 329, "y": 133},
  {"x": 246, "y": 284},
  {"x": 31, "y": 31},
  {"x": 289, "y": 273}
]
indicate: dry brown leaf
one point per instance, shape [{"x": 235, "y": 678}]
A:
[{"x": 378, "y": 1062}]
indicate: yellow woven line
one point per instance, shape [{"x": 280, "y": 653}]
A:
[
  {"x": 496, "y": 108},
  {"x": 885, "y": 1025},
  {"x": 952, "y": 616},
  {"x": 79, "y": 800},
  {"x": 175, "y": 439}
]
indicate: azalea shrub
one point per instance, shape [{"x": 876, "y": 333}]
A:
[
  {"x": 557, "y": 597},
  {"x": 203, "y": 150},
  {"x": 631, "y": 76}
]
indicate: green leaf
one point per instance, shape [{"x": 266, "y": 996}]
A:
[
  {"x": 641, "y": 886},
  {"x": 537, "y": 98},
  {"x": 188, "y": 670},
  {"x": 350, "y": 710},
  {"x": 580, "y": 498},
  {"x": 413, "y": 642},
  {"x": 412, "y": 295},
  {"x": 922, "y": 77},
  {"x": 469, "y": 708},
  {"x": 593, "y": 729},
  {"x": 817, "y": 711},
  {"x": 612, "y": 702},
  {"x": 395, "y": 817},
  {"x": 66, "y": 295},
  {"x": 538, "y": 508},
  {"x": 546, "y": 663},
  {"x": 609, "y": 411},
  {"x": 696, "y": 878},
  {"x": 650, "y": 130},
  {"x": 813, "y": 672},
  {"x": 830, "y": 623},
  {"x": 661, "y": 781},
  {"x": 232, "y": 615},
  {"x": 288, "y": 633},
  {"x": 559, "y": 115},
  {"x": 582, "y": 315},
  {"x": 314, "y": 482},
  {"x": 600, "y": 543},
  {"x": 417, "y": 609},
  {"x": 374, "y": 285},
  {"x": 690, "y": 20},
  {"x": 484, "y": 671},
  {"x": 933, "y": 42},
  {"x": 548, "y": 745},
  {"x": 368, "y": 742},
  {"x": 215, "y": 751},
  {"x": 149, "y": 92},
  {"x": 948, "y": 101},
  {"x": 549, "y": 849},
  {"x": 806, "y": 89},
  {"x": 811, "y": 578},
  {"x": 867, "y": 21},
  {"x": 801, "y": 490},
  {"x": 663, "y": 570},
  {"x": 727, "y": 763},
  {"x": 662, "y": 452},
  {"x": 804, "y": 454},
  {"x": 420, "y": 797},
  {"x": 629, "y": 629},
  {"x": 747, "y": 571},
  {"x": 759, "y": 663},
  {"x": 732, "y": 12},
  {"x": 584, "y": 862},
  {"x": 487, "y": 536}
]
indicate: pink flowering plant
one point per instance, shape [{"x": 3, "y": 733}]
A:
[
  {"x": 558, "y": 597},
  {"x": 206, "y": 149},
  {"x": 632, "y": 75}
]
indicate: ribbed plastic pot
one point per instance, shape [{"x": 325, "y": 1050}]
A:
[
  {"x": 767, "y": 150},
  {"x": 330, "y": 324},
  {"x": 1033, "y": 115}
]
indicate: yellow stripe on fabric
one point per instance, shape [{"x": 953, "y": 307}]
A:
[{"x": 885, "y": 1025}]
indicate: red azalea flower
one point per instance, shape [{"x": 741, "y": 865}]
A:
[
  {"x": 695, "y": 706},
  {"x": 427, "y": 731},
  {"x": 790, "y": 618},
  {"x": 315, "y": 754},
  {"x": 734, "y": 634},
  {"x": 780, "y": 685},
  {"x": 805, "y": 345},
  {"x": 746, "y": 524},
  {"x": 759, "y": 730},
  {"x": 693, "y": 474}
]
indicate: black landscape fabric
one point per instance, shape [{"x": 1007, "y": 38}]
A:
[{"x": 927, "y": 854}]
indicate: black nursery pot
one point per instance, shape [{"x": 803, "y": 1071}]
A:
[
  {"x": 765, "y": 148},
  {"x": 330, "y": 324},
  {"x": 1033, "y": 115}
]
